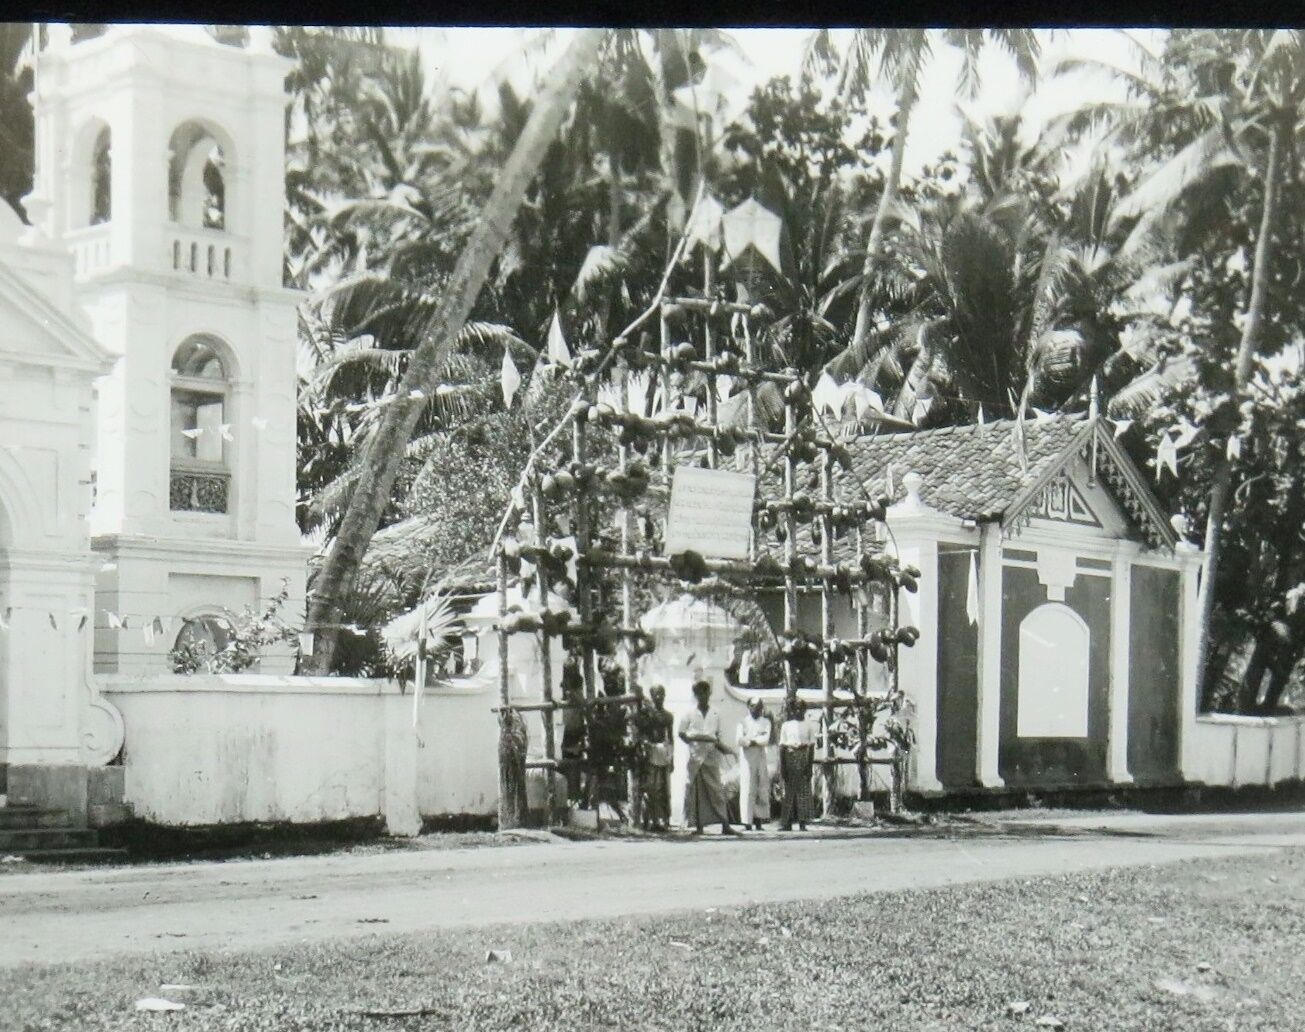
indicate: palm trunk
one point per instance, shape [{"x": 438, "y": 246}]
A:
[
  {"x": 906, "y": 98},
  {"x": 1221, "y": 490},
  {"x": 381, "y": 463}
]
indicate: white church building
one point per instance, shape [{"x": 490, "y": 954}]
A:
[{"x": 147, "y": 383}]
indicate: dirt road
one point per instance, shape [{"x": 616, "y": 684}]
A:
[{"x": 85, "y": 915}]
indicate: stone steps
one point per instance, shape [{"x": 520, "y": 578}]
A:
[{"x": 38, "y": 834}]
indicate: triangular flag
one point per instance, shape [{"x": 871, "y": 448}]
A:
[
  {"x": 1121, "y": 426},
  {"x": 116, "y": 622},
  {"x": 724, "y": 384},
  {"x": 306, "y": 640},
  {"x": 557, "y": 349},
  {"x": 980, "y": 413},
  {"x": 52, "y": 621},
  {"x": 745, "y": 667},
  {"x": 864, "y": 398},
  {"x": 4, "y": 618},
  {"x": 920, "y": 410},
  {"x": 417, "y": 393},
  {"x": 1234, "y": 447},
  {"x": 147, "y": 632},
  {"x": 1039, "y": 416},
  {"x": 81, "y": 624},
  {"x": 193, "y": 434},
  {"x": 224, "y": 430},
  {"x": 972, "y": 592},
  {"x": 510, "y": 378},
  {"x": 1166, "y": 456},
  {"x": 753, "y": 225},
  {"x": 826, "y": 394}
]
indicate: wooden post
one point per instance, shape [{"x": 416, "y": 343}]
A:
[
  {"x": 627, "y": 611},
  {"x": 546, "y": 662},
  {"x": 512, "y": 801},
  {"x": 790, "y": 543},
  {"x": 827, "y": 628}
]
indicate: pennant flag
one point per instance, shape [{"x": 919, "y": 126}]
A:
[
  {"x": 1121, "y": 427},
  {"x": 636, "y": 389},
  {"x": 745, "y": 667},
  {"x": 972, "y": 592},
  {"x": 53, "y": 623},
  {"x": 752, "y": 225},
  {"x": 1166, "y": 456},
  {"x": 417, "y": 393},
  {"x": 1234, "y": 447},
  {"x": 193, "y": 434},
  {"x": 81, "y": 624},
  {"x": 689, "y": 405},
  {"x": 147, "y": 632},
  {"x": 224, "y": 430},
  {"x": 980, "y": 413},
  {"x": 510, "y": 378},
  {"x": 557, "y": 349},
  {"x": 864, "y": 398},
  {"x": 259, "y": 423},
  {"x": 724, "y": 384},
  {"x": 4, "y": 618},
  {"x": 1039, "y": 416},
  {"x": 827, "y": 394},
  {"x": 920, "y": 410},
  {"x": 116, "y": 622}
]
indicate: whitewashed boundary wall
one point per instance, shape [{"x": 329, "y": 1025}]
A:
[
  {"x": 1233, "y": 751},
  {"x": 233, "y": 748}
]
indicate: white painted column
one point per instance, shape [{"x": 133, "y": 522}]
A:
[
  {"x": 989, "y": 700},
  {"x": 919, "y": 664},
  {"x": 1121, "y": 599},
  {"x": 399, "y": 795},
  {"x": 1189, "y": 639}
]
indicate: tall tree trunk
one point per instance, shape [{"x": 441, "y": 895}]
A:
[
  {"x": 906, "y": 98},
  {"x": 1221, "y": 490},
  {"x": 381, "y": 463}
]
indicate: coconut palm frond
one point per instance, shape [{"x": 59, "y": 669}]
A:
[{"x": 1149, "y": 389}]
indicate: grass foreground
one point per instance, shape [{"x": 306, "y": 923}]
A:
[{"x": 1198, "y": 945}]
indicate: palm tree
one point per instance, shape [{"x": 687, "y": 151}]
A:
[
  {"x": 1224, "y": 108},
  {"x": 437, "y": 334},
  {"x": 16, "y": 122},
  {"x": 901, "y": 56}
]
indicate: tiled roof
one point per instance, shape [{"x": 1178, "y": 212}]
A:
[{"x": 971, "y": 472}]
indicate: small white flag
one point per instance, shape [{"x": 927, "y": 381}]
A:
[
  {"x": 972, "y": 592},
  {"x": 306, "y": 639},
  {"x": 980, "y": 413},
  {"x": 53, "y": 623},
  {"x": 193, "y": 434},
  {"x": 116, "y": 622},
  {"x": 827, "y": 394},
  {"x": 1039, "y": 416},
  {"x": 920, "y": 410},
  {"x": 1121, "y": 426},
  {"x": 510, "y": 378},
  {"x": 864, "y": 398},
  {"x": 1166, "y": 456},
  {"x": 147, "y": 632},
  {"x": 1234, "y": 447},
  {"x": 557, "y": 349},
  {"x": 4, "y": 617},
  {"x": 225, "y": 431},
  {"x": 417, "y": 393},
  {"x": 745, "y": 667},
  {"x": 258, "y": 423},
  {"x": 1185, "y": 434}
]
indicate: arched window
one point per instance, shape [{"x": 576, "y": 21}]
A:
[
  {"x": 101, "y": 178},
  {"x": 197, "y": 194},
  {"x": 200, "y": 478},
  {"x": 199, "y": 641}
]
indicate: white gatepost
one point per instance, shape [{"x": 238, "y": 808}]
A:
[
  {"x": 990, "y": 615},
  {"x": 1191, "y": 560},
  {"x": 1121, "y": 603},
  {"x": 915, "y": 529}
]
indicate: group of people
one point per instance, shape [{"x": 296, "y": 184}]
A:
[
  {"x": 600, "y": 745},
  {"x": 704, "y": 790}
]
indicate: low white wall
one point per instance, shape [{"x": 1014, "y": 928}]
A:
[
  {"x": 1234, "y": 750},
  {"x": 217, "y": 749},
  {"x": 457, "y": 750}
]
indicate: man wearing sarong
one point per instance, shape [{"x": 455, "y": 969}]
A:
[
  {"x": 754, "y": 772},
  {"x": 704, "y": 795},
  {"x": 655, "y": 743},
  {"x": 796, "y": 752}
]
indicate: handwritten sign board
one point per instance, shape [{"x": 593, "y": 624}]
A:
[{"x": 710, "y": 513}]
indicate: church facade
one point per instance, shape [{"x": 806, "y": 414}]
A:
[{"x": 147, "y": 402}]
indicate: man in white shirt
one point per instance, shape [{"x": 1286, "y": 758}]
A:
[
  {"x": 796, "y": 753},
  {"x": 754, "y": 772},
  {"x": 704, "y": 795}
]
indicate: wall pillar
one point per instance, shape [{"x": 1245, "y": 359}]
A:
[
  {"x": 918, "y": 668},
  {"x": 990, "y": 616},
  {"x": 1189, "y": 635},
  {"x": 399, "y": 794},
  {"x": 1121, "y": 600}
]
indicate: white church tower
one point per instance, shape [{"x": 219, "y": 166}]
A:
[{"x": 160, "y": 166}]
